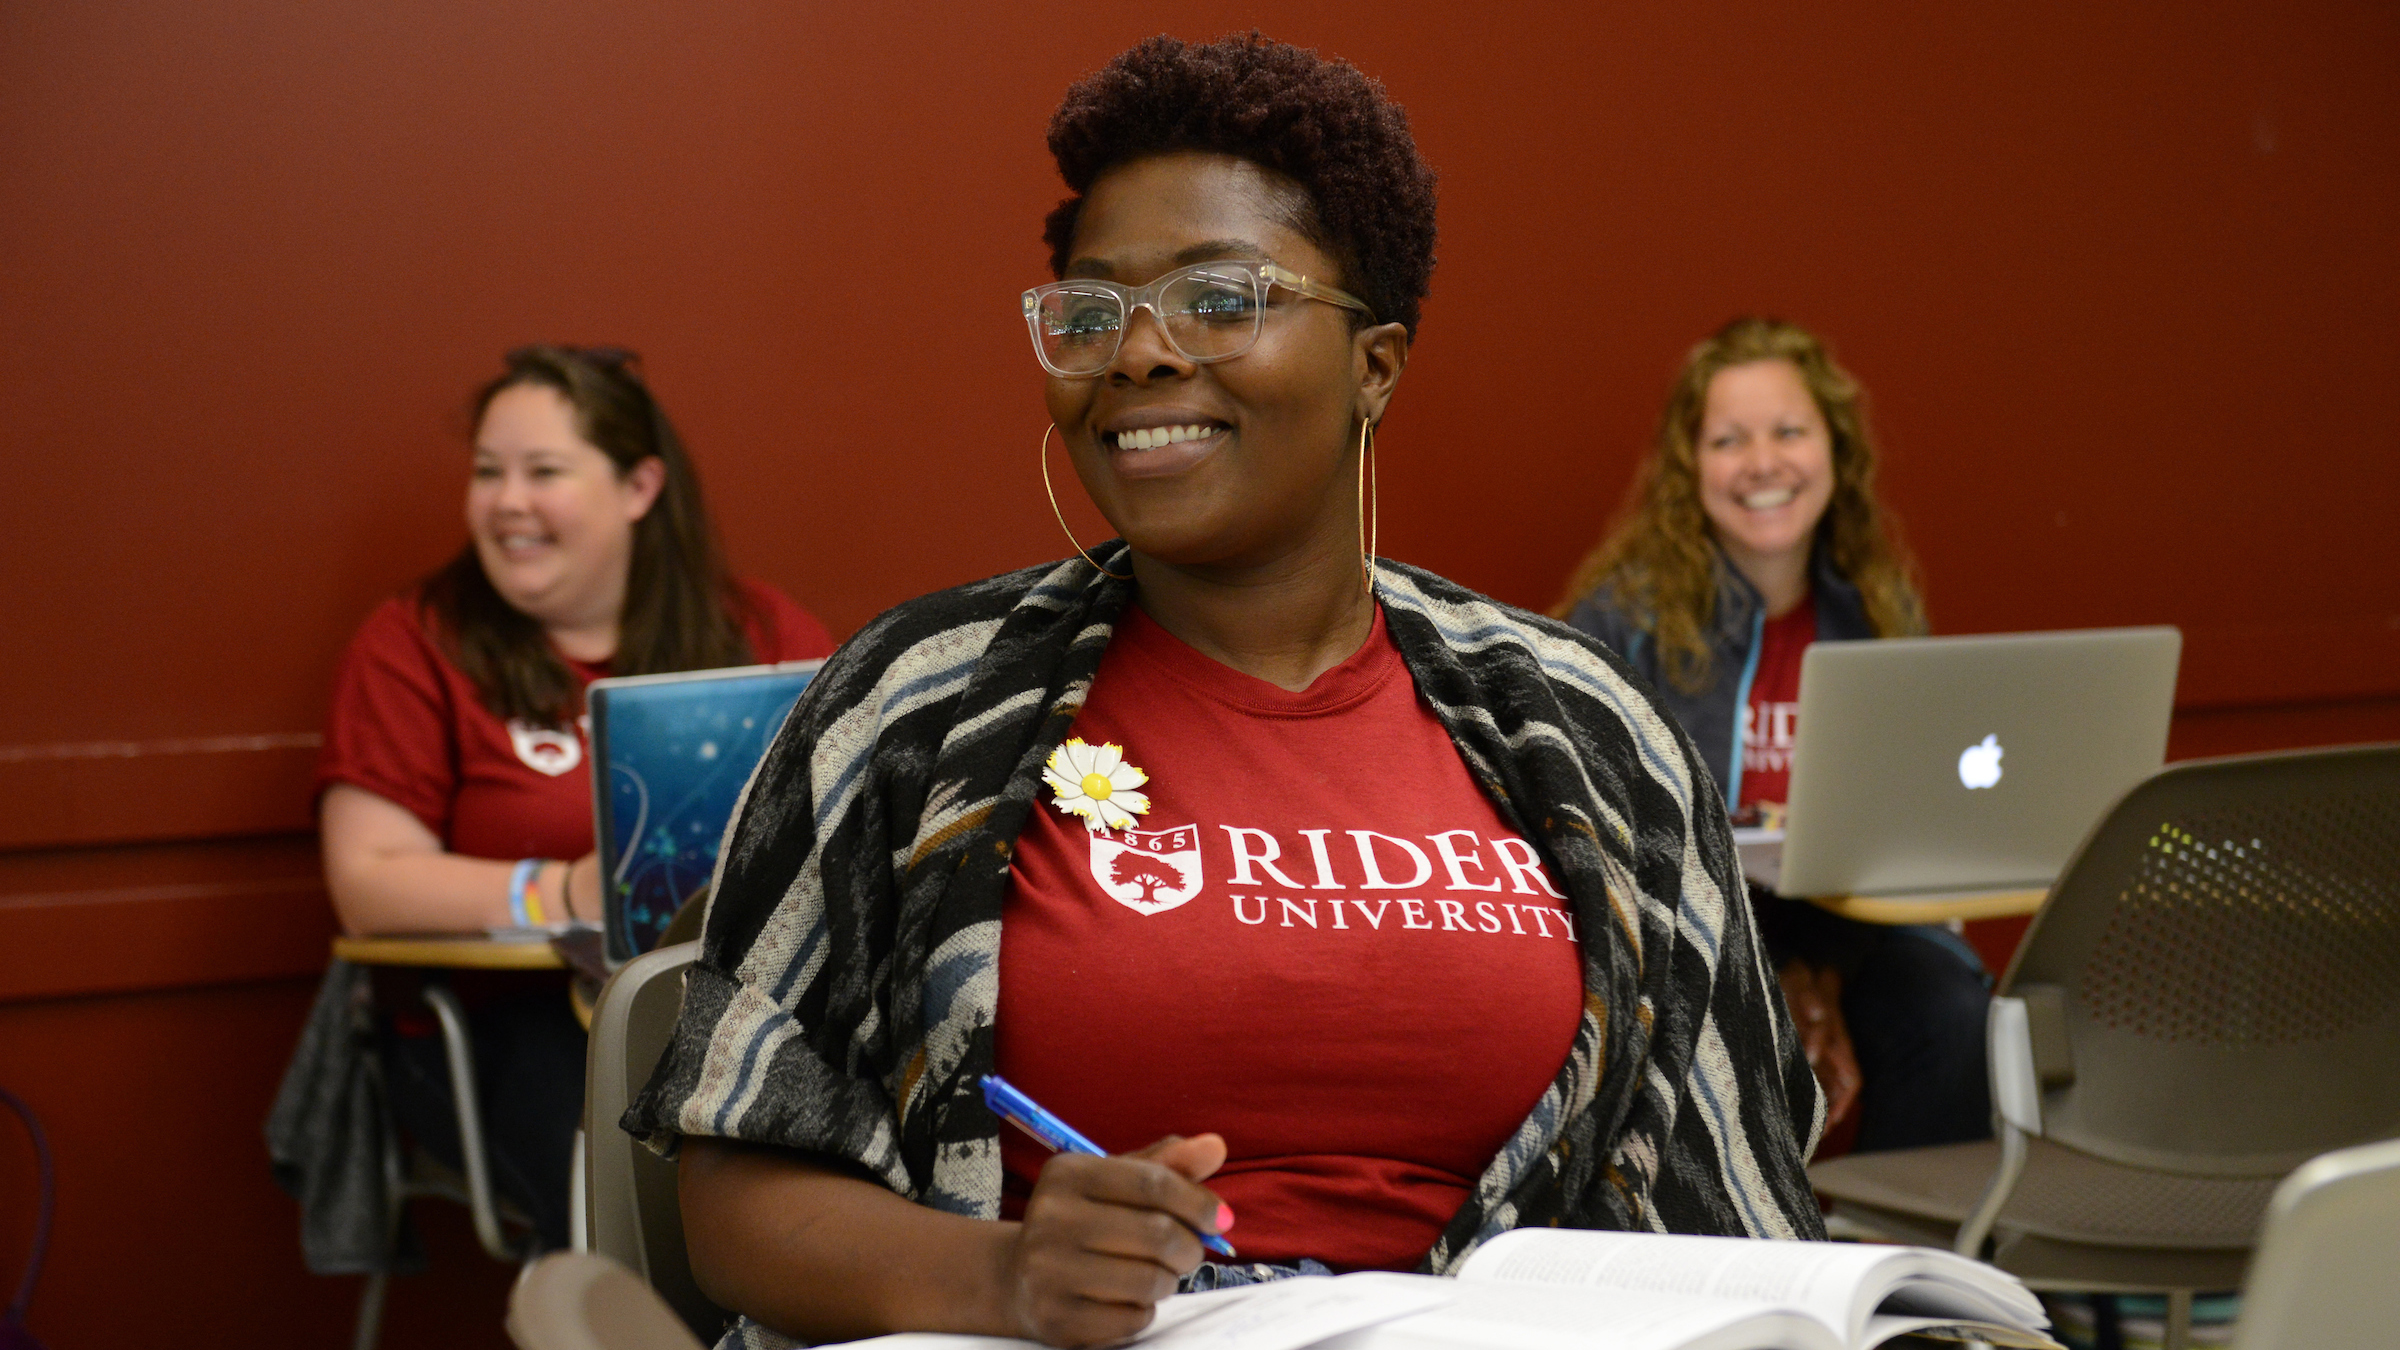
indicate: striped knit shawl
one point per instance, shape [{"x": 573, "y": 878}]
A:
[{"x": 844, "y": 997}]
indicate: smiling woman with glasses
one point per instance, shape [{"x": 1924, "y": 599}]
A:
[{"x": 1319, "y": 891}]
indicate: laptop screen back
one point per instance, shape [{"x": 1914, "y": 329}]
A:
[
  {"x": 1968, "y": 763},
  {"x": 673, "y": 754}
]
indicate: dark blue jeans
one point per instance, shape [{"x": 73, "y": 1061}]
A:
[
  {"x": 528, "y": 1076},
  {"x": 1914, "y": 998},
  {"x": 1231, "y": 1274},
  {"x": 1916, "y": 1006}
]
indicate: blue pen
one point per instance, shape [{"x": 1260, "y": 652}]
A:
[{"x": 1057, "y": 1135}]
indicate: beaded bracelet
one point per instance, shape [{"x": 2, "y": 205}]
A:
[{"x": 524, "y": 902}]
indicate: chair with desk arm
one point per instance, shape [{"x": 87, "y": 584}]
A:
[
  {"x": 410, "y": 1173},
  {"x": 503, "y": 1234},
  {"x": 584, "y": 1301},
  {"x": 2210, "y": 997},
  {"x": 2323, "y": 1278},
  {"x": 633, "y": 1216}
]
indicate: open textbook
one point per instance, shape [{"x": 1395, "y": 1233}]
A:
[{"x": 1563, "y": 1289}]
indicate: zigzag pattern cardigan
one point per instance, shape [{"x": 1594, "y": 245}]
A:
[{"x": 843, "y": 1000}]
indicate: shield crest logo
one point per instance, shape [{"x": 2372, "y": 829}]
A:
[
  {"x": 1148, "y": 871},
  {"x": 545, "y": 749}
]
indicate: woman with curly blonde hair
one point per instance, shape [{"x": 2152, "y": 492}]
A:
[
  {"x": 1751, "y": 531},
  {"x": 1708, "y": 496}
]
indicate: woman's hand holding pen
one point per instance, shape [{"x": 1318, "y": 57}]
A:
[
  {"x": 1104, "y": 1239},
  {"x": 821, "y": 1250}
]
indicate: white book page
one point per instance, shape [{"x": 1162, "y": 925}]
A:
[
  {"x": 1839, "y": 1282},
  {"x": 1290, "y": 1314},
  {"x": 1945, "y": 1284},
  {"x": 1284, "y": 1315},
  {"x": 1501, "y": 1316},
  {"x": 1831, "y": 1281},
  {"x": 1885, "y": 1326},
  {"x": 1174, "y": 1311}
]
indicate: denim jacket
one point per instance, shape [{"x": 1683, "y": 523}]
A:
[{"x": 1710, "y": 716}]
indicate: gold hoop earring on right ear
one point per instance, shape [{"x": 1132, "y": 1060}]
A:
[
  {"x": 1047, "y": 428},
  {"x": 1369, "y": 505}
]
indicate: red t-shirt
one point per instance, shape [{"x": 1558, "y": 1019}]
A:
[
  {"x": 1772, "y": 716},
  {"x": 1322, "y": 942},
  {"x": 407, "y": 726}
]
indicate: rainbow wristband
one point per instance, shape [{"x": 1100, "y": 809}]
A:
[{"x": 519, "y": 893}]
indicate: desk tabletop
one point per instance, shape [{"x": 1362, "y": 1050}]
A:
[
  {"x": 463, "y": 951},
  {"x": 1897, "y": 909}
]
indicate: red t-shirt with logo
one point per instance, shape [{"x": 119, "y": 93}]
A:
[
  {"x": 408, "y": 727},
  {"x": 1772, "y": 716},
  {"x": 1321, "y": 941}
]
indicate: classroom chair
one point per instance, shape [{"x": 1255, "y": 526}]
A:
[
  {"x": 2210, "y": 997},
  {"x": 411, "y": 1173},
  {"x": 683, "y": 927},
  {"x": 631, "y": 1213},
  {"x": 2324, "y": 1277},
  {"x": 580, "y": 1301},
  {"x": 13, "y": 1333}
]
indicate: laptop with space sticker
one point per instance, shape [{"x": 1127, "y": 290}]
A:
[
  {"x": 670, "y": 756},
  {"x": 1963, "y": 764}
]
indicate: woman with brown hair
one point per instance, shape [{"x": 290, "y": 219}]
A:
[
  {"x": 1751, "y": 531},
  {"x": 454, "y": 788}
]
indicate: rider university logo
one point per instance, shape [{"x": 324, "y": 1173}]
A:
[{"x": 1148, "y": 871}]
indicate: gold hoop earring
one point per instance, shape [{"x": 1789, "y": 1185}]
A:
[
  {"x": 1047, "y": 428},
  {"x": 1369, "y": 505}
]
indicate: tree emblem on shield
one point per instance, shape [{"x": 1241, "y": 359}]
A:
[{"x": 1148, "y": 871}]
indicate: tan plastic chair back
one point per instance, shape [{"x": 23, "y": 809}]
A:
[
  {"x": 633, "y": 1216},
  {"x": 578, "y": 1301},
  {"x": 2214, "y": 985},
  {"x": 2323, "y": 1277}
]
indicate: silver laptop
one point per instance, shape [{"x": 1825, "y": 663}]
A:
[{"x": 1963, "y": 764}]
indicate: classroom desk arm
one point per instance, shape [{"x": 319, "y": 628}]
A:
[{"x": 1906, "y": 909}]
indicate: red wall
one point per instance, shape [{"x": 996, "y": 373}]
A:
[{"x": 2121, "y": 283}]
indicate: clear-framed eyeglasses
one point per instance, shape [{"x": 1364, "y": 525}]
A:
[{"x": 1210, "y": 311}]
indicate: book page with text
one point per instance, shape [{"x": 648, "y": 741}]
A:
[
  {"x": 1888, "y": 1326},
  {"x": 1284, "y": 1315},
  {"x": 1503, "y": 1316},
  {"x": 1828, "y": 1280}
]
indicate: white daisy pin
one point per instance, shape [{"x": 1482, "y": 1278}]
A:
[{"x": 1095, "y": 782}]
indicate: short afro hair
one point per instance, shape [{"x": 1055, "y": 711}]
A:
[{"x": 1323, "y": 124}]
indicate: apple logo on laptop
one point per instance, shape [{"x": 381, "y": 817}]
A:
[{"x": 1979, "y": 765}]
